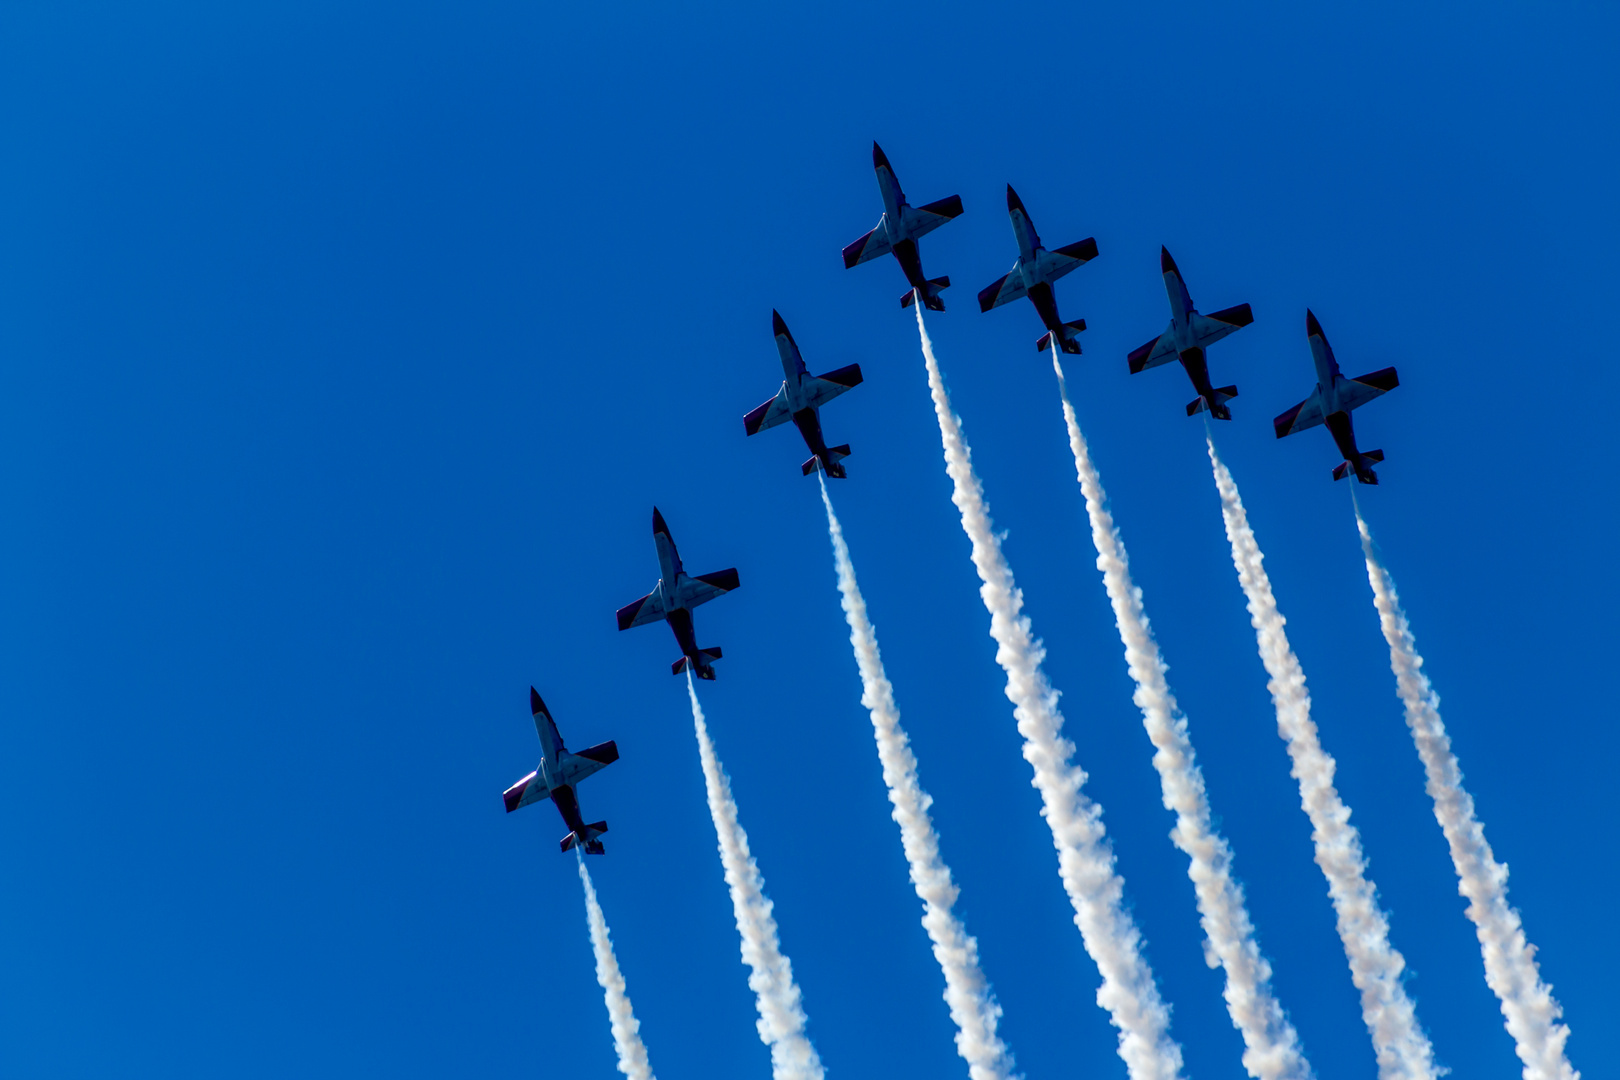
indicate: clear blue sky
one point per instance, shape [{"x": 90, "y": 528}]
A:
[{"x": 345, "y": 350}]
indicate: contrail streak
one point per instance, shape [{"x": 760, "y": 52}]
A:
[
  {"x": 1528, "y": 1006},
  {"x": 967, "y": 992},
  {"x": 1085, "y": 859},
  {"x": 1272, "y": 1050},
  {"x": 626, "y": 1028},
  {"x": 781, "y": 1016},
  {"x": 1402, "y": 1049}
]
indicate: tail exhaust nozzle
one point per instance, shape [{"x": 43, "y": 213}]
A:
[
  {"x": 930, "y": 299},
  {"x": 1068, "y": 341}
]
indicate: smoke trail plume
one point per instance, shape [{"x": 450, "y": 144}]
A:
[
  {"x": 1531, "y": 1013},
  {"x": 781, "y": 1017},
  {"x": 967, "y": 992},
  {"x": 1271, "y": 1047},
  {"x": 626, "y": 1028},
  {"x": 1085, "y": 859},
  {"x": 1402, "y": 1049}
]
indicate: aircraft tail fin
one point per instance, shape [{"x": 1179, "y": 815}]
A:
[
  {"x": 703, "y": 667},
  {"x": 1215, "y": 401},
  {"x": 1068, "y": 341},
  {"x": 830, "y": 464},
  {"x": 931, "y": 299},
  {"x": 1362, "y": 468},
  {"x": 588, "y": 837}
]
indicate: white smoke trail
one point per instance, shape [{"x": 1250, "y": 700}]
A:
[
  {"x": 1402, "y": 1049},
  {"x": 1530, "y": 1011},
  {"x": 626, "y": 1028},
  {"x": 1085, "y": 859},
  {"x": 781, "y": 1016},
  {"x": 967, "y": 992},
  {"x": 1271, "y": 1046}
]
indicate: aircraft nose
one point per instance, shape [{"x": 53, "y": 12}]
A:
[
  {"x": 1166, "y": 263},
  {"x": 658, "y": 522},
  {"x": 1312, "y": 327},
  {"x": 1013, "y": 201},
  {"x": 536, "y": 706},
  {"x": 778, "y": 327},
  {"x": 879, "y": 159}
]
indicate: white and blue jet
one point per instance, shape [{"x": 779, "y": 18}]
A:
[
  {"x": 1032, "y": 276},
  {"x": 799, "y": 400},
  {"x": 559, "y": 773},
  {"x": 898, "y": 231},
  {"x": 1188, "y": 336},
  {"x": 1332, "y": 403},
  {"x": 674, "y": 598}
]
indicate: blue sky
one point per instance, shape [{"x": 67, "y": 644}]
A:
[{"x": 346, "y": 349}]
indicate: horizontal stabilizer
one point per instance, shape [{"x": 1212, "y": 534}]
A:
[
  {"x": 1341, "y": 470},
  {"x": 1070, "y": 340},
  {"x": 1215, "y": 402},
  {"x": 588, "y": 837},
  {"x": 931, "y": 300},
  {"x": 1374, "y": 455}
]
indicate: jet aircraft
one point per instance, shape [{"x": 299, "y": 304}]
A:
[
  {"x": 898, "y": 231},
  {"x": 1032, "y": 276},
  {"x": 799, "y": 400},
  {"x": 1335, "y": 396},
  {"x": 1189, "y": 335},
  {"x": 674, "y": 598},
  {"x": 559, "y": 773}
]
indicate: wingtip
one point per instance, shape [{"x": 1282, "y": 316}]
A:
[
  {"x": 1166, "y": 263},
  {"x": 1312, "y": 327},
  {"x": 536, "y": 706},
  {"x": 879, "y": 159},
  {"x": 658, "y": 522}
]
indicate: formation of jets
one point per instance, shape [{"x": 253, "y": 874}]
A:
[{"x": 1187, "y": 339}]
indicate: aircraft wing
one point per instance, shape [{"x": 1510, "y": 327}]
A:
[
  {"x": 705, "y": 587},
  {"x": 919, "y": 220},
  {"x": 1005, "y": 291},
  {"x": 1161, "y": 350},
  {"x": 768, "y": 415},
  {"x": 649, "y": 608},
  {"x": 1307, "y": 414},
  {"x": 870, "y": 246},
  {"x": 1354, "y": 393},
  {"x": 1208, "y": 329},
  {"x": 820, "y": 389},
  {"x": 527, "y": 790},
  {"x": 1052, "y": 265},
  {"x": 592, "y": 759}
]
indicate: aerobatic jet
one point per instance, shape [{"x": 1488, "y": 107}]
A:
[
  {"x": 1189, "y": 335},
  {"x": 559, "y": 773},
  {"x": 799, "y": 400},
  {"x": 898, "y": 231},
  {"x": 1032, "y": 276},
  {"x": 674, "y": 598},
  {"x": 1335, "y": 396}
]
